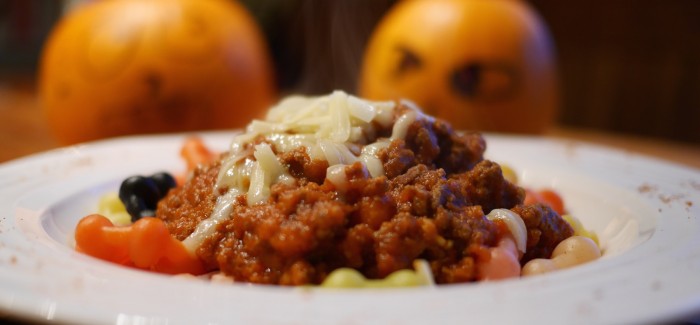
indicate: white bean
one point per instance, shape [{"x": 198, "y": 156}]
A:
[
  {"x": 538, "y": 266},
  {"x": 572, "y": 251},
  {"x": 575, "y": 250}
]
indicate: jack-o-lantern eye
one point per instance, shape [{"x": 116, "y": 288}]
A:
[
  {"x": 483, "y": 81},
  {"x": 408, "y": 61}
]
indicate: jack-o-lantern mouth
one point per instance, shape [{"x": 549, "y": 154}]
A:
[{"x": 484, "y": 81}]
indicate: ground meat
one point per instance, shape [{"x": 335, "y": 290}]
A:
[
  {"x": 272, "y": 243},
  {"x": 397, "y": 158},
  {"x": 301, "y": 166},
  {"x": 484, "y": 185},
  {"x": 435, "y": 145},
  {"x": 545, "y": 230},
  {"x": 430, "y": 205},
  {"x": 185, "y": 206}
]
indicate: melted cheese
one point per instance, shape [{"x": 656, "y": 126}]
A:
[
  {"x": 206, "y": 228},
  {"x": 338, "y": 128}
]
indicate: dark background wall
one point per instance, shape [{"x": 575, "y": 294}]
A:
[
  {"x": 631, "y": 66},
  {"x": 627, "y": 66}
]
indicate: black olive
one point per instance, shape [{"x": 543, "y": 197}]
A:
[
  {"x": 139, "y": 194},
  {"x": 146, "y": 213},
  {"x": 136, "y": 208},
  {"x": 164, "y": 181}
]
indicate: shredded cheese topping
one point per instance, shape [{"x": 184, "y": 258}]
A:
[
  {"x": 328, "y": 128},
  {"x": 339, "y": 128}
]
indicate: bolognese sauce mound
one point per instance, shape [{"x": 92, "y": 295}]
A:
[{"x": 329, "y": 182}]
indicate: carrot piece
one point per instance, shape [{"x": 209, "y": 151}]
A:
[
  {"x": 548, "y": 197},
  {"x": 92, "y": 240},
  {"x": 531, "y": 197},
  {"x": 195, "y": 152},
  {"x": 149, "y": 237},
  {"x": 553, "y": 199},
  {"x": 146, "y": 244},
  {"x": 176, "y": 259}
]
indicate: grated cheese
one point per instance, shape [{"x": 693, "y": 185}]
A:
[
  {"x": 338, "y": 128},
  {"x": 207, "y": 227}
]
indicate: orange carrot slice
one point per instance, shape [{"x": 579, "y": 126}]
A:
[
  {"x": 548, "y": 197},
  {"x": 195, "y": 152},
  {"x": 553, "y": 199},
  {"x": 146, "y": 244}
]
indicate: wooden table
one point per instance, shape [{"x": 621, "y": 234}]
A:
[{"x": 23, "y": 130}]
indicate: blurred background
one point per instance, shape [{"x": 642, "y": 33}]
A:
[{"x": 628, "y": 68}]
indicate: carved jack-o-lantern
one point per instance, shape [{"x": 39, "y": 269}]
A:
[
  {"x": 480, "y": 64},
  {"x": 130, "y": 66}
]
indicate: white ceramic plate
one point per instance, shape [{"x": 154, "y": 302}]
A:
[{"x": 646, "y": 210}]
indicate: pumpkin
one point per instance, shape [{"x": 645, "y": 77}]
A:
[
  {"x": 121, "y": 67},
  {"x": 480, "y": 64}
]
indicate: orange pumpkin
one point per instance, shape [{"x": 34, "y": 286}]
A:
[
  {"x": 480, "y": 64},
  {"x": 131, "y": 66}
]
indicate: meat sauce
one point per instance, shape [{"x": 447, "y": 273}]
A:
[{"x": 430, "y": 203}]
